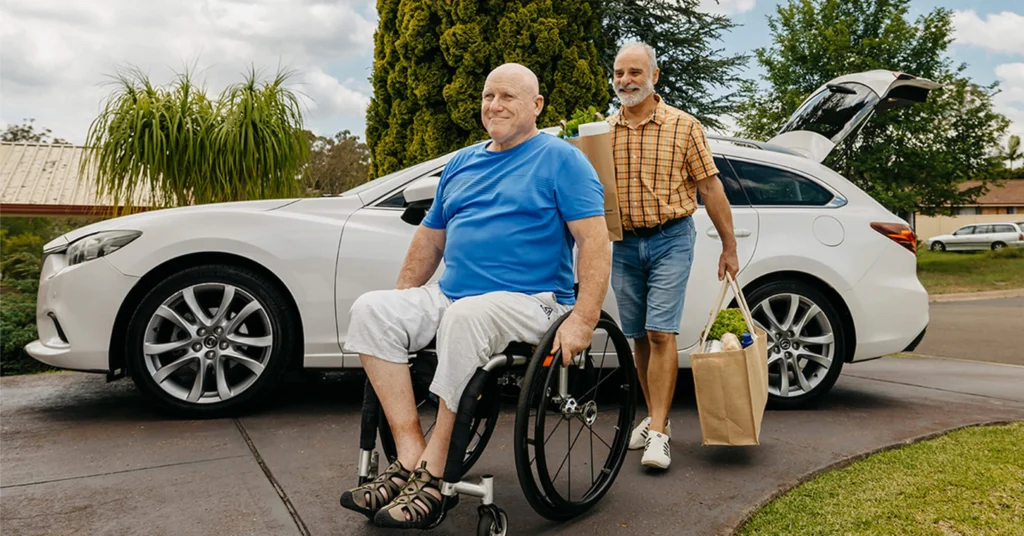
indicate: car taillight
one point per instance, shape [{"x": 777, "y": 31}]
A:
[{"x": 900, "y": 233}]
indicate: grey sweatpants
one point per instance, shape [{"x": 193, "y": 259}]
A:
[{"x": 392, "y": 324}]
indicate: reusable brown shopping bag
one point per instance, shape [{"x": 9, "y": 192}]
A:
[
  {"x": 731, "y": 387},
  {"x": 595, "y": 140}
]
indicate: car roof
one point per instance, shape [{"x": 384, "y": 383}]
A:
[{"x": 720, "y": 146}]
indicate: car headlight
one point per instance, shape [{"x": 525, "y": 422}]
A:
[{"x": 98, "y": 245}]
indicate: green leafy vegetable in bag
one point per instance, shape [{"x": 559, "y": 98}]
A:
[
  {"x": 728, "y": 321},
  {"x": 571, "y": 128}
]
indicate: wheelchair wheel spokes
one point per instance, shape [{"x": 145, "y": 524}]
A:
[{"x": 573, "y": 425}]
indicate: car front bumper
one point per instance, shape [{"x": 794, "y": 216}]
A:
[{"x": 75, "y": 311}]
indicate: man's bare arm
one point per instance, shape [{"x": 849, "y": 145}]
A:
[
  {"x": 594, "y": 265},
  {"x": 423, "y": 258},
  {"x": 717, "y": 205}
]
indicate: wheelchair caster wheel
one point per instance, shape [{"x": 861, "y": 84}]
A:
[{"x": 493, "y": 521}]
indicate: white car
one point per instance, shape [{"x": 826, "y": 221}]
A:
[
  {"x": 205, "y": 307},
  {"x": 980, "y": 237}
]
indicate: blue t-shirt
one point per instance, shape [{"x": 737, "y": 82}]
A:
[{"x": 504, "y": 215}]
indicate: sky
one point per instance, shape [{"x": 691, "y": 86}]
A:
[{"x": 57, "y": 56}]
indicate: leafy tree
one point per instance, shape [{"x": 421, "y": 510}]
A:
[
  {"x": 26, "y": 132},
  {"x": 908, "y": 159},
  {"x": 683, "y": 37},
  {"x": 185, "y": 148},
  {"x": 431, "y": 58},
  {"x": 336, "y": 164}
]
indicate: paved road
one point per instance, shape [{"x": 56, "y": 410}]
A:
[
  {"x": 82, "y": 456},
  {"x": 989, "y": 330}
]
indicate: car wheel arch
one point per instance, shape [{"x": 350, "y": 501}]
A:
[
  {"x": 819, "y": 284},
  {"x": 117, "y": 362}
]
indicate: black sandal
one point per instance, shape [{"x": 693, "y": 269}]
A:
[
  {"x": 416, "y": 508},
  {"x": 376, "y": 493}
]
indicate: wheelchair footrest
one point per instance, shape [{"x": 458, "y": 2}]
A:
[{"x": 484, "y": 490}]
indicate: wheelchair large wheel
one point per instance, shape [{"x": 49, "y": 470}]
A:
[
  {"x": 427, "y": 404},
  {"x": 562, "y": 471}
]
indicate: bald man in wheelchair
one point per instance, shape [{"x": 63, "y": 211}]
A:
[{"x": 505, "y": 218}]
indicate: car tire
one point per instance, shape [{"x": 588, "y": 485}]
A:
[
  {"x": 938, "y": 246},
  {"x": 243, "y": 353},
  {"x": 818, "y": 343},
  {"x": 996, "y": 246}
]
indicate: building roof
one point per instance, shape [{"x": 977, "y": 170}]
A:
[
  {"x": 44, "y": 179},
  {"x": 1005, "y": 193}
]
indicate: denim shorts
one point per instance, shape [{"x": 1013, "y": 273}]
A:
[{"x": 649, "y": 278}]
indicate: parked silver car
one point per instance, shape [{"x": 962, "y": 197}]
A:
[{"x": 980, "y": 236}]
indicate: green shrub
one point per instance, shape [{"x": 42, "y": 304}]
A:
[
  {"x": 1007, "y": 253},
  {"x": 18, "y": 326}
]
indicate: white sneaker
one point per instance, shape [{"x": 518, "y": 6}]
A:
[
  {"x": 638, "y": 438},
  {"x": 657, "y": 452}
]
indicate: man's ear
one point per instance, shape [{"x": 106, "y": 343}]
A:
[
  {"x": 538, "y": 104},
  {"x": 654, "y": 77}
]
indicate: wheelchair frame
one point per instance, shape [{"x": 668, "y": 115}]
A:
[{"x": 516, "y": 355}]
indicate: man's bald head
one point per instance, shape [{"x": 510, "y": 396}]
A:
[
  {"x": 517, "y": 74},
  {"x": 510, "y": 105}
]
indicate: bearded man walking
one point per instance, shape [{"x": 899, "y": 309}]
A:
[{"x": 662, "y": 159}]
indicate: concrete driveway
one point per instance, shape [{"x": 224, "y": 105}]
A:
[{"x": 80, "y": 456}]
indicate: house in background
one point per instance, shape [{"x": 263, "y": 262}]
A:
[
  {"x": 44, "y": 180},
  {"x": 1002, "y": 203}
]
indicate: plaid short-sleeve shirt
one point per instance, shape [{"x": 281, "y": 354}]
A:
[{"x": 658, "y": 163}]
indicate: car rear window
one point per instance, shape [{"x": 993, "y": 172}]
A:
[{"x": 771, "y": 186}]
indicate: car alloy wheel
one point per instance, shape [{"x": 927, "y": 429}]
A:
[
  {"x": 208, "y": 343},
  {"x": 801, "y": 343}
]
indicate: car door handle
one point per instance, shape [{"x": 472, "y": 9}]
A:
[{"x": 739, "y": 233}]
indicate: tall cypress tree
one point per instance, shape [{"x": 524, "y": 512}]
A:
[{"x": 431, "y": 58}]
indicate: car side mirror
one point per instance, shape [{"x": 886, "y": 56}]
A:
[
  {"x": 418, "y": 198},
  {"x": 415, "y": 212}
]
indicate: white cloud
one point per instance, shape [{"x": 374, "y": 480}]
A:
[
  {"x": 57, "y": 55},
  {"x": 1001, "y": 32},
  {"x": 1010, "y": 100},
  {"x": 324, "y": 93},
  {"x": 727, "y": 7}
]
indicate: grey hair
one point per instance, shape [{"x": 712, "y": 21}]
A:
[{"x": 648, "y": 49}]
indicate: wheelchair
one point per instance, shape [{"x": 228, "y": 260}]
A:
[{"x": 597, "y": 393}]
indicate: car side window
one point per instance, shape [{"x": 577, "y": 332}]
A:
[
  {"x": 964, "y": 231},
  {"x": 982, "y": 229},
  {"x": 397, "y": 200},
  {"x": 1003, "y": 229},
  {"x": 733, "y": 191},
  {"x": 768, "y": 186}
]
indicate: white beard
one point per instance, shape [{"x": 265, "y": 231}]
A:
[{"x": 630, "y": 100}]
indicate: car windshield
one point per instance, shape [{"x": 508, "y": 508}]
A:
[
  {"x": 368, "y": 184},
  {"x": 834, "y": 112}
]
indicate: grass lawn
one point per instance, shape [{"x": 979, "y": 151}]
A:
[
  {"x": 944, "y": 273},
  {"x": 967, "y": 482}
]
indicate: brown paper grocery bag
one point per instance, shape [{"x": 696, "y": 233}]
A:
[
  {"x": 731, "y": 387},
  {"x": 598, "y": 149}
]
